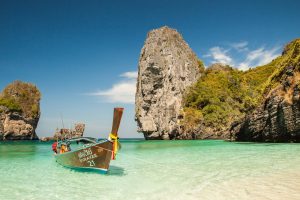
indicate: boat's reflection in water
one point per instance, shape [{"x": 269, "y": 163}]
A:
[
  {"x": 113, "y": 171},
  {"x": 116, "y": 171}
]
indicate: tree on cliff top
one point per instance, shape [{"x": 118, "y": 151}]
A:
[{"x": 22, "y": 97}]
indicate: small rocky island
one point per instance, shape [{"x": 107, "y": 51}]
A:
[
  {"x": 66, "y": 133},
  {"x": 177, "y": 98},
  {"x": 19, "y": 111}
]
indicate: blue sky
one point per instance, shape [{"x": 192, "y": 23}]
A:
[{"x": 83, "y": 55}]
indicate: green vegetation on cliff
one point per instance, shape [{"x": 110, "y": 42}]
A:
[
  {"x": 289, "y": 61},
  {"x": 10, "y": 103},
  {"x": 224, "y": 94},
  {"x": 22, "y": 97},
  {"x": 217, "y": 98},
  {"x": 277, "y": 117}
]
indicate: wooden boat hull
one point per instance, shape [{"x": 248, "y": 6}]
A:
[{"x": 96, "y": 156}]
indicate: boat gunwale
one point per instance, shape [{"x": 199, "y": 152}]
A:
[{"x": 79, "y": 149}]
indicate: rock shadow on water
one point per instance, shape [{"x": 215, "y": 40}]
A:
[
  {"x": 166, "y": 144},
  {"x": 18, "y": 149},
  {"x": 262, "y": 143}
]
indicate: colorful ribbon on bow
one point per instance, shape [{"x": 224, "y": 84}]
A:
[{"x": 114, "y": 139}]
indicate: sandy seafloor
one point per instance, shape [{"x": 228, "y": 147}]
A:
[{"x": 156, "y": 170}]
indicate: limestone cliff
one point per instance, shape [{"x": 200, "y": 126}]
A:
[
  {"x": 178, "y": 99},
  {"x": 167, "y": 67},
  {"x": 19, "y": 111},
  {"x": 277, "y": 118}
]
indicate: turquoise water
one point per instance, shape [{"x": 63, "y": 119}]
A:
[{"x": 156, "y": 170}]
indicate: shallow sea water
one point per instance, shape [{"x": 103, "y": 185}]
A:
[{"x": 210, "y": 169}]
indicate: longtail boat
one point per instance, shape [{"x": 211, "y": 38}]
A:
[{"x": 87, "y": 152}]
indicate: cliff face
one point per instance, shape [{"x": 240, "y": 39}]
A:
[
  {"x": 277, "y": 118},
  {"x": 177, "y": 98},
  {"x": 167, "y": 67},
  {"x": 19, "y": 111},
  {"x": 220, "y": 97}
]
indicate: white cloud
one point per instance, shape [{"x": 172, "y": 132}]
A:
[
  {"x": 240, "y": 46},
  {"x": 130, "y": 75},
  {"x": 258, "y": 57},
  {"x": 239, "y": 55},
  {"x": 121, "y": 92},
  {"x": 219, "y": 55}
]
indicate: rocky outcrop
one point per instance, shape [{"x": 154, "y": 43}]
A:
[
  {"x": 277, "y": 119},
  {"x": 167, "y": 67},
  {"x": 64, "y": 133},
  {"x": 261, "y": 104},
  {"x": 19, "y": 111},
  {"x": 14, "y": 126}
]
